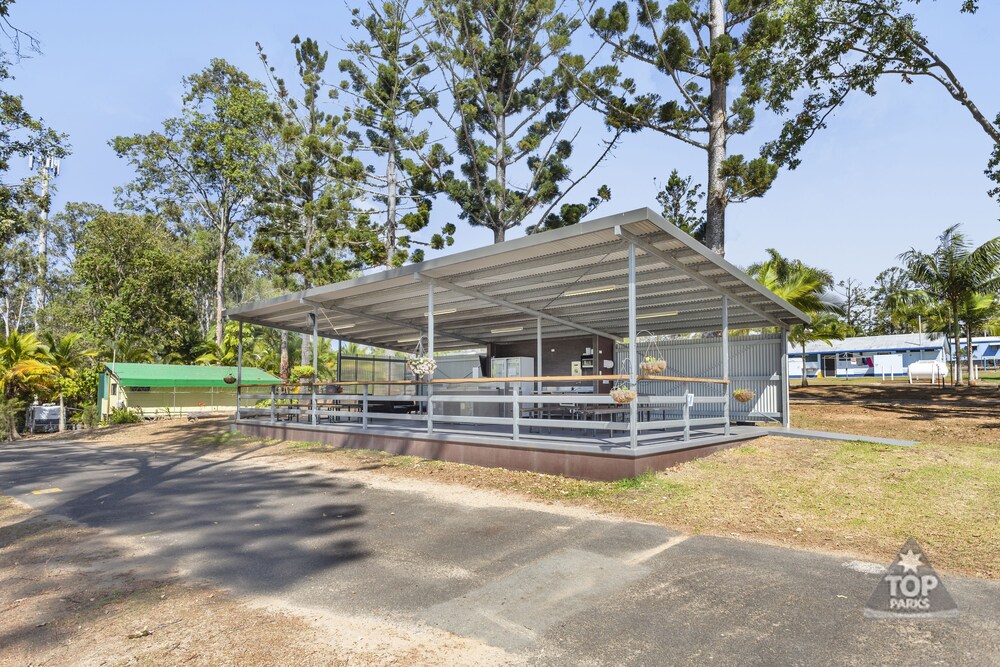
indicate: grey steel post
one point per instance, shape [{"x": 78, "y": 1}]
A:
[
  {"x": 725, "y": 363},
  {"x": 239, "y": 366},
  {"x": 786, "y": 407},
  {"x": 364, "y": 407},
  {"x": 633, "y": 361},
  {"x": 538, "y": 353},
  {"x": 315, "y": 364},
  {"x": 516, "y": 412},
  {"x": 430, "y": 354}
]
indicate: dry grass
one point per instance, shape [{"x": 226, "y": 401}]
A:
[{"x": 854, "y": 498}]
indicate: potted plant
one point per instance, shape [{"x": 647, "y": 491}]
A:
[
  {"x": 743, "y": 395},
  {"x": 622, "y": 393}
]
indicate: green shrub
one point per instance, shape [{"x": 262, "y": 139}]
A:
[
  {"x": 299, "y": 373},
  {"x": 124, "y": 415},
  {"x": 89, "y": 416}
]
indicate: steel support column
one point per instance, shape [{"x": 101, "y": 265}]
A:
[
  {"x": 538, "y": 353},
  {"x": 430, "y": 354},
  {"x": 786, "y": 408},
  {"x": 633, "y": 359},
  {"x": 725, "y": 362},
  {"x": 315, "y": 364}
]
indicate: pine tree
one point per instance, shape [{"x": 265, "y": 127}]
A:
[
  {"x": 406, "y": 168},
  {"x": 503, "y": 65}
]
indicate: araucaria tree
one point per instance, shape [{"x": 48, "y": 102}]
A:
[
  {"x": 206, "y": 164},
  {"x": 694, "y": 47},
  {"x": 306, "y": 195},
  {"x": 503, "y": 65},
  {"x": 406, "y": 168}
]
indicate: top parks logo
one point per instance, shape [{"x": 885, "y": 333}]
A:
[{"x": 911, "y": 588}]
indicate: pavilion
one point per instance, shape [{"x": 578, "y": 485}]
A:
[{"x": 606, "y": 292}]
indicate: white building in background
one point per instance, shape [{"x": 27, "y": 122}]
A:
[{"x": 866, "y": 355}]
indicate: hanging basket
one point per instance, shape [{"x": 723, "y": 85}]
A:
[
  {"x": 421, "y": 366},
  {"x": 744, "y": 395},
  {"x": 622, "y": 393},
  {"x": 229, "y": 379},
  {"x": 652, "y": 362}
]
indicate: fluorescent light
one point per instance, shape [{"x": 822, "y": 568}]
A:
[
  {"x": 443, "y": 312},
  {"x": 507, "y": 330},
  {"x": 652, "y": 315},
  {"x": 409, "y": 340},
  {"x": 340, "y": 327},
  {"x": 590, "y": 290}
]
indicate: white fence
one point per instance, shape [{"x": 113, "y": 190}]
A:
[{"x": 694, "y": 403}]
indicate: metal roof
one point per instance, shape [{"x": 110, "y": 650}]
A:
[
  {"x": 574, "y": 278},
  {"x": 926, "y": 341},
  {"x": 171, "y": 375}
]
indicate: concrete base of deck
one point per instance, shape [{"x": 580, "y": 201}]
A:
[{"x": 583, "y": 458}]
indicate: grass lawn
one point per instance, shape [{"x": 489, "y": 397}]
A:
[{"x": 855, "y": 498}]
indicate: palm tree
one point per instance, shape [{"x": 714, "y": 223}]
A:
[
  {"x": 802, "y": 286},
  {"x": 66, "y": 356},
  {"x": 24, "y": 365},
  {"x": 978, "y": 309},
  {"x": 951, "y": 274}
]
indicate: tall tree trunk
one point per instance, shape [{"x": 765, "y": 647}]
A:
[
  {"x": 305, "y": 353},
  {"x": 805, "y": 374},
  {"x": 957, "y": 331},
  {"x": 499, "y": 230},
  {"x": 220, "y": 281},
  {"x": 62, "y": 413},
  {"x": 392, "y": 188},
  {"x": 968, "y": 347},
  {"x": 283, "y": 364},
  {"x": 715, "y": 220}
]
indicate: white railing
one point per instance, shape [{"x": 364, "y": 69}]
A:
[{"x": 702, "y": 403}]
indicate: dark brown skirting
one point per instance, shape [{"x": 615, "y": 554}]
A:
[{"x": 582, "y": 465}]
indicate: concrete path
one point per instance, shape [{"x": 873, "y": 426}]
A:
[{"x": 550, "y": 587}]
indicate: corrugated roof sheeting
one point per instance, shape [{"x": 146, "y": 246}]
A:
[
  {"x": 174, "y": 375},
  {"x": 575, "y": 275}
]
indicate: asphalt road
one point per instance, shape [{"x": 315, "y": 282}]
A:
[{"x": 549, "y": 588}]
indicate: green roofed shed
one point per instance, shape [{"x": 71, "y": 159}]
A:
[{"x": 168, "y": 375}]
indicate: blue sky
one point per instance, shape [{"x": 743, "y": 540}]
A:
[{"x": 891, "y": 172}]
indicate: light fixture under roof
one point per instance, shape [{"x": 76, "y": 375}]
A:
[
  {"x": 443, "y": 311},
  {"x": 651, "y": 316},
  {"x": 590, "y": 290},
  {"x": 507, "y": 330},
  {"x": 341, "y": 327},
  {"x": 409, "y": 340}
]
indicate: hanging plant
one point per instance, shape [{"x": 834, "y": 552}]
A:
[
  {"x": 421, "y": 366},
  {"x": 743, "y": 395},
  {"x": 622, "y": 393},
  {"x": 652, "y": 366},
  {"x": 653, "y": 362},
  {"x": 229, "y": 379}
]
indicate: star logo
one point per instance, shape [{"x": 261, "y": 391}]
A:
[{"x": 910, "y": 561}]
